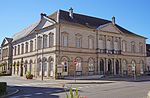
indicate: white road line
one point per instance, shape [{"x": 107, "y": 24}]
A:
[
  {"x": 28, "y": 95},
  {"x": 38, "y": 93}
]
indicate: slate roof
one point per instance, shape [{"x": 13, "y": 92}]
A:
[
  {"x": 24, "y": 32},
  {"x": 148, "y": 50},
  {"x": 88, "y": 21}
]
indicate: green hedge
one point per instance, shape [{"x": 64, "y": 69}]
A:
[{"x": 3, "y": 86}]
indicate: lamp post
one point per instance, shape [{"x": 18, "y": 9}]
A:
[{"x": 42, "y": 58}]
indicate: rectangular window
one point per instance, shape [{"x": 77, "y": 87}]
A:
[
  {"x": 91, "y": 43},
  {"x": 78, "y": 42},
  {"x": 65, "y": 40},
  {"x": 45, "y": 41},
  {"x": 18, "y": 49}
]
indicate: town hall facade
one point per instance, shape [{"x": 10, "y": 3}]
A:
[{"x": 77, "y": 44}]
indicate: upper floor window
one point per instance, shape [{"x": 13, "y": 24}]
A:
[
  {"x": 109, "y": 44},
  {"x": 26, "y": 48},
  {"x": 91, "y": 42},
  {"x": 22, "y": 48},
  {"x": 65, "y": 39},
  {"x": 133, "y": 47},
  {"x": 141, "y": 48},
  {"x": 39, "y": 42},
  {"x": 78, "y": 41},
  {"x": 51, "y": 39},
  {"x": 45, "y": 41},
  {"x": 15, "y": 50},
  {"x": 18, "y": 49},
  {"x": 116, "y": 44},
  {"x": 31, "y": 46},
  {"x": 101, "y": 42},
  {"x": 124, "y": 46}
]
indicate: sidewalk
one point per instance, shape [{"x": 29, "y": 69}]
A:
[{"x": 10, "y": 91}]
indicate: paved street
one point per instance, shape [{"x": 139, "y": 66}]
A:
[{"x": 54, "y": 89}]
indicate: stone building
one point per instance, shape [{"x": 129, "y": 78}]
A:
[
  {"x": 148, "y": 56},
  {"x": 6, "y": 55},
  {"x": 77, "y": 44}
]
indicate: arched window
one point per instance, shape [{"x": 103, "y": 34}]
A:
[
  {"x": 26, "y": 47},
  {"x": 51, "y": 39},
  {"x": 15, "y": 49},
  {"x": 142, "y": 67},
  {"x": 18, "y": 49},
  {"x": 45, "y": 67},
  {"x": 124, "y": 67},
  {"x": 109, "y": 44},
  {"x": 22, "y": 48},
  {"x": 25, "y": 66},
  {"x": 65, "y": 39},
  {"x": 31, "y": 46},
  {"x": 133, "y": 65},
  {"x": 133, "y": 47},
  {"x": 65, "y": 64},
  {"x": 51, "y": 66},
  {"x": 91, "y": 42},
  {"x": 30, "y": 66},
  {"x": 45, "y": 41},
  {"x": 91, "y": 64},
  {"x": 39, "y": 42},
  {"x": 78, "y": 41},
  {"x": 116, "y": 44},
  {"x": 78, "y": 66},
  {"x": 101, "y": 42},
  {"x": 101, "y": 66},
  {"x": 141, "y": 48},
  {"x": 124, "y": 46}
]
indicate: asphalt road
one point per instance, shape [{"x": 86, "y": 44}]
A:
[{"x": 53, "y": 89}]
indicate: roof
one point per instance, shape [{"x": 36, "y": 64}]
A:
[
  {"x": 24, "y": 32},
  {"x": 85, "y": 20},
  {"x": 90, "y": 21},
  {"x": 148, "y": 49}
]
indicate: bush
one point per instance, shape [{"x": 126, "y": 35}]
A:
[
  {"x": 29, "y": 75},
  {"x": 3, "y": 86}
]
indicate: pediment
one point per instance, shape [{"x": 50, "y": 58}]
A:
[
  {"x": 5, "y": 41},
  {"x": 109, "y": 28},
  {"x": 45, "y": 22}
]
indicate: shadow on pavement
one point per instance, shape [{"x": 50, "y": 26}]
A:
[{"x": 36, "y": 92}]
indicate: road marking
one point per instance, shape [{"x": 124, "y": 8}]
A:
[
  {"x": 38, "y": 93},
  {"x": 28, "y": 95}
]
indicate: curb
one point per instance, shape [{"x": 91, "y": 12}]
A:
[
  {"x": 89, "y": 82},
  {"x": 7, "y": 95}
]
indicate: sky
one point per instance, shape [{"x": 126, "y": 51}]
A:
[{"x": 134, "y": 15}]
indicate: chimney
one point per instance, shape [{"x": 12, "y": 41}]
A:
[
  {"x": 113, "y": 20},
  {"x": 42, "y": 15},
  {"x": 71, "y": 12}
]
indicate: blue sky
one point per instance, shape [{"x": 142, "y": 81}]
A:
[{"x": 134, "y": 15}]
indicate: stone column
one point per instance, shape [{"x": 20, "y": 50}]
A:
[
  {"x": 120, "y": 66},
  {"x": 114, "y": 64},
  {"x": 106, "y": 65}
]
